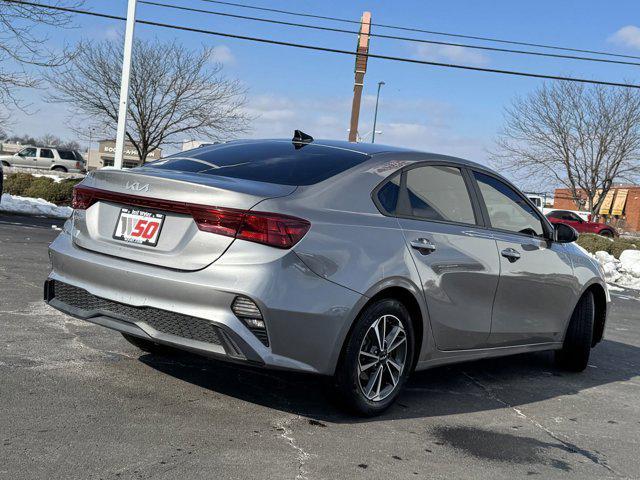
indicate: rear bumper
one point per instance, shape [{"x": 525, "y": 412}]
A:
[
  {"x": 189, "y": 333},
  {"x": 307, "y": 317}
]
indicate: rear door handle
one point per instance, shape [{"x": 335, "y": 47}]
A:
[
  {"x": 510, "y": 254},
  {"x": 423, "y": 245}
]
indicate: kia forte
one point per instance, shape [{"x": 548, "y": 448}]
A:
[{"x": 362, "y": 262}]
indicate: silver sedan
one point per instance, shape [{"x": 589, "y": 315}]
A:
[{"x": 363, "y": 262}]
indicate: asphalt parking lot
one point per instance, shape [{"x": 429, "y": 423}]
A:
[{"x": 77, "y": 401}]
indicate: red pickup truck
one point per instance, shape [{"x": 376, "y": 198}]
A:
[{"x": 581, "y": 225}]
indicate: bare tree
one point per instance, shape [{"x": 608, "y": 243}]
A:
[
  {"x": 23, "y": 45},
  {"x": 583, "y": 137},
  {"x": 174, "y": 92}
]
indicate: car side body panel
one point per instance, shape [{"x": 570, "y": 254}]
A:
[{"x": 537, "y": 293}]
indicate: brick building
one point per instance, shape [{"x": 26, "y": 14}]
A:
[{"x": 620, "y": 208}]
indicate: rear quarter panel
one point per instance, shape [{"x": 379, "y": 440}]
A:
[{"x": 350, "y": 242}]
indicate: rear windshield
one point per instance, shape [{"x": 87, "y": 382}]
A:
[{"x": 270, "y": 162}]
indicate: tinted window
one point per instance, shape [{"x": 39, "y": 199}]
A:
[
  {"x": 554, "y": 214},
  {"x": 271, "y": 162},
  {"x": 66, "y": 154},
  {"x": 571, "y": 217},
  {"x": 508, "y": 210},
  {"x": 439, "y": 193},
  {"x": 46, "y": 153},
  {"x": 388, "y": 195}
]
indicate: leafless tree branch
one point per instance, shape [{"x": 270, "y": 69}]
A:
[
  {"x": 23, "y": 45},
  {"x": 581, "y": 137},
  {"x": 173, "y": 91}
]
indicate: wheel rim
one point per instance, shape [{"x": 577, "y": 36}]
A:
[{"x": 382, "y": 358}]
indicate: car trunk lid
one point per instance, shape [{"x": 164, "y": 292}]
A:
[{"x": 171, "y": 198}]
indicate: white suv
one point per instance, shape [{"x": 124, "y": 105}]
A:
[{"x": 50, "y": 158}]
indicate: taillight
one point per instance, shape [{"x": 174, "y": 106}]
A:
[
  {"x": 222, "y": 221},
  {"x": 82, "y": 198},
  {"x": 589, "y": 218},
  {"x": 280, "y": 231},
  {"x": 273, "y": 229}
]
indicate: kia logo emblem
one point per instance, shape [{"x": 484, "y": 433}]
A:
[{"x": 137, "y": 186}]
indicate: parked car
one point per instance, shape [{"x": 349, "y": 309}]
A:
[
  {"x": 359, "y": 261},
  {"x": 50, "y": 158},
  {"x": 586, "y": 216},
  {"x": 581, "y": 225}
]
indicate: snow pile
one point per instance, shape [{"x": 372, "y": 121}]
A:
[
  {"x": 55, "y": 178},
  {"x": 32, "y": 206},
  {"x": 610, "y": 265},
  {"x": 624, "y": 272}
]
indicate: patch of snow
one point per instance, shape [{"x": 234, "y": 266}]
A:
[
  {"x": 630, "y": 262},
  {"x": 33, "y": 206},
  {"x": 609, "y": 264},
  {"x": 56, "y": 178},
  {"x": 624, "y": 272}
]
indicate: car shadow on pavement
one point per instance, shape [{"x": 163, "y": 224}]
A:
[{"x": 463, "y": 388}]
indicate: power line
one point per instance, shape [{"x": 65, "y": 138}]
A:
[
  {"x": 326, "y": 49},
  {"x": 430, "y": 32},
  {"x": 380, "y": 35}
]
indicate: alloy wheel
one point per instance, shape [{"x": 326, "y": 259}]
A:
[{"x": 382, "y": 358}]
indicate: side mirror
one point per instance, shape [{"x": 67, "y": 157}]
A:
[{"x": 564, "y": 233}]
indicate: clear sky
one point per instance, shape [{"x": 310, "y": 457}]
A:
[{"x": 435, "y": 109}]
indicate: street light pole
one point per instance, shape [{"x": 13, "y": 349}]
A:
[
  {"x": 124, "y": 85},
  {"x": 375, "y": 115}
]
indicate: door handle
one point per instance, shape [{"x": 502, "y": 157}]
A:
[
  {"x": 423, "y": 245},
  {"x": 510, "y": 254}
]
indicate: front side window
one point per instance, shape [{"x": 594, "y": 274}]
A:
[
  {"x": 439, "y": 193},
  {"x": 27, "y": 152},
  {"x": 46, "y": 153},
  {"x": 507, "y": 209}
]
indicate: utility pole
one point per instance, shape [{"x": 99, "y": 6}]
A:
[
  {"x": 375, "y": 115},
  {"x": 361, "y": 69},
  {"x": 124, "y": 84}
]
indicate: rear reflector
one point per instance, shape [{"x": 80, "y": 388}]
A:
[{"x": 273, "y": 229}]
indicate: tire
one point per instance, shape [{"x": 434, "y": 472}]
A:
[
  {"x": 147, "y": 345},
  {"x": 574, "y": 355},
  {"x": 352, "y": 381},
  {"x": 606, "y": 233},
  {"x": 59, "y": 169}
]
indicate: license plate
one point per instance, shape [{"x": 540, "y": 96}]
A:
[{"x": 138, "y": 226}]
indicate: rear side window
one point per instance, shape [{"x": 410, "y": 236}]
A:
[
  {"x": 66, "y": 155},
  {"x": 439, "y": 193},
  {"x": 272, "y": 162},
  {"x": 388, "y": 195},
  {"x": 46, "y": 153}
]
